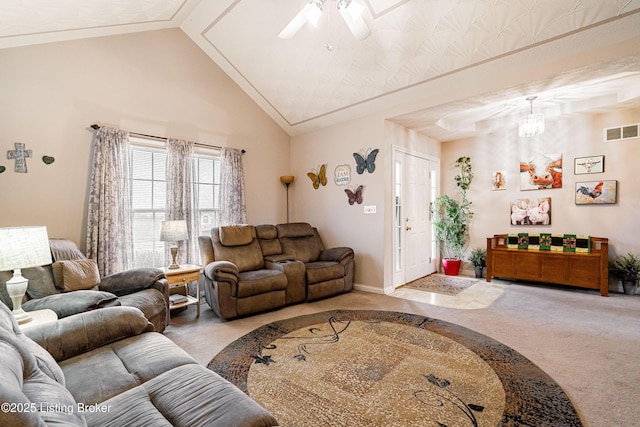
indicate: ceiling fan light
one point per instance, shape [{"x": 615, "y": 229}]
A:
[{"x": 531, "y": 125}]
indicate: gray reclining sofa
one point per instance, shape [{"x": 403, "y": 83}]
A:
[{"x": 107, "y": 368}]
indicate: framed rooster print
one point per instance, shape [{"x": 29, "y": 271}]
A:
[{"x": 603, "y": 192}]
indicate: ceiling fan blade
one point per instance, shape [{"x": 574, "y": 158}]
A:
[
  {"x": 311, "y": 13},
  {"x": 352, "y": 15}
]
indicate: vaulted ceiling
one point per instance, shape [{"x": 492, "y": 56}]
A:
[{"x": 323, "y": 75}]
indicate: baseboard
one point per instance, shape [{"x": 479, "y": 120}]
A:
[{"x": 366, "y": 288}]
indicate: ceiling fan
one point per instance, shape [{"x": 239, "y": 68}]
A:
[{"x": 350, "y": 10}]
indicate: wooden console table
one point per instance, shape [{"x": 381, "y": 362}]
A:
[{"x": 584, "y": 270}]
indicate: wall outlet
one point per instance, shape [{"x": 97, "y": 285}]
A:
[{"x": 370, "y": 209}]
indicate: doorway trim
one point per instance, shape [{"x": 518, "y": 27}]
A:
[{"x": 396, "y": 152}]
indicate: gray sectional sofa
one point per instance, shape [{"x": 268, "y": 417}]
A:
[
  {"x": 108, "y": 368},
  {"x": 250, "y": 269},
  {"x": 72, "y": 285}
]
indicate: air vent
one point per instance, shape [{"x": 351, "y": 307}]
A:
[{"x": 619, "y": 133}]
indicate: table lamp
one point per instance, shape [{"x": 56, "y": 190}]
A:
[
  {"x": 174, "y": 231},
  {"x": 22, "y": 247}
]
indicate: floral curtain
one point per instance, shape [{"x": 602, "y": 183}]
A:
[
  {"x": 232, "y": 204},
  {"x": 180, "y": 197},
  {"x": 109, "y": 217}
]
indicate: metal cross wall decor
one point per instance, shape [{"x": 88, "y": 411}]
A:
[{"x": 20, "y": 155}]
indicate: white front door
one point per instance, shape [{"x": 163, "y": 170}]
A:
[{"x": 414, "y": 188}]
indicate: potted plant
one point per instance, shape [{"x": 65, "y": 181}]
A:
[
  {"x": 478, "y": 258},
  {"x": 627, "y": 269},
  {"x": 451, "y": 219}
]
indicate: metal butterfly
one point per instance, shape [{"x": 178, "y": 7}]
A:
[
  {"x": 318, "y": 178},
  {"x": 355, "y": 197},
  {"x": 366, "y": 161}
]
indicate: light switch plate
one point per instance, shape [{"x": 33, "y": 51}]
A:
[{"x": 370, "y": 209}]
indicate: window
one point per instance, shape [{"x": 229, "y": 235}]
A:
[{"x": 148, "y": 197}]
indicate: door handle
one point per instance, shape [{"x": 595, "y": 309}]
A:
[{"x": 408, "y": 228}]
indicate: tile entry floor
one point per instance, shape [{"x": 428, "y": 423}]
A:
[{"x": 479, "y": 295}]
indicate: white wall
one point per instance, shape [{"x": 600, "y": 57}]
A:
[
  {"x": 157, "y": 83},
  {"x": 576, "y": 136}
]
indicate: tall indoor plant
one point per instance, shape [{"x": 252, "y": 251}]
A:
[{"x": 451, "y": 219}]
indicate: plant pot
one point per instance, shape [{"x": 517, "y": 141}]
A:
[
  {"x": 451, "y": 266},
  {"x": 629, "y": 287},
  {"x": 478, "y": 269}
]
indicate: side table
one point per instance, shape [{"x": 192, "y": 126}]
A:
[
  {"x": 182, "y": 276},
  {"x": 38, "y": 317}
]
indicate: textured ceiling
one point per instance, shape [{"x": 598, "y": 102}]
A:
[{"x": 323, "y": 75}]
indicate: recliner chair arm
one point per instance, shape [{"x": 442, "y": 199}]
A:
[
  {"x": 339, "y": 254},
  {"x": 222, "y": 271},
  {"x": 134, "y": 280}
]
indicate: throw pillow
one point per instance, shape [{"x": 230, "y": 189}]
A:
[{"x": 77, "y": 274}]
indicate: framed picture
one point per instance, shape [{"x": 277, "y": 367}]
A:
[
  {"x": 530, "y": 211},
  {"x": 499, "y": 180},
  {"x": 597, "y": 192},
  {"x": 584, "y": 165},
  {"x": 541, "y": 172}
]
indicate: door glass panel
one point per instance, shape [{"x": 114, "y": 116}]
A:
[{"x": 397, "y": 196}]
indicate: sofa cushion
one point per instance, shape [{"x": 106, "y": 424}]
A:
[
  {"x": 23, "y": 382},
  {"x": 67, "y": 304},
  {"x": 40, "y": 283},
  {"x": 257, "y": 282},
  {"x": 295, "y": 229},
  {"x": 75, "y": 275},
  {"x": 43, "y": 359},
  {"x": 121, "y": 365},
  {"x": 130, "y": 281},
  {"x": 268, "y": 240},
  {"x": 321, "y": 271},
  {"x": 188, "y": 396},
  {"x": 246, "y": 257},
  {"x": 235, "y": 235},
  {"x": 64, "y": 249},
  {"x": 151, "y": 302}
]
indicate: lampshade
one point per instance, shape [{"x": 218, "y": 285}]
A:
[
  {"x": 531, "y": 124},
  {"x": 174, "y": 231},
  {"x": 287, "y": 179},
  {"x": 24, "y": 247}
]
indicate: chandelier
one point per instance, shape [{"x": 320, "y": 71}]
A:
[
  {"x": 350, "y": 10},
  {"x": 531, "y": 124}
]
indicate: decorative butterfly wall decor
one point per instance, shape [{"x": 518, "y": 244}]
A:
[
  {"x": 366, "y": 161},
  {"x": 355, "y": 196},
  {"x": 318, "y": 176}
]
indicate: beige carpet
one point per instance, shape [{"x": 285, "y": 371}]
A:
[
  {"x": 587, "y": 343},
  {"x": 361, "y": 368}
]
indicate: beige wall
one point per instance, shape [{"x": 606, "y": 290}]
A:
[
  {"x": 575, "y": 136},
  {"x": 157, "y": 83},
  {"x": 339, "y": 223}
]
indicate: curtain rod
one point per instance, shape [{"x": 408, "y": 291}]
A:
[{"x": 163, "y": 138}]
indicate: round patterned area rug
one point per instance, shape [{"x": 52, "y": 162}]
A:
[{"x": 382, "y": 368}]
